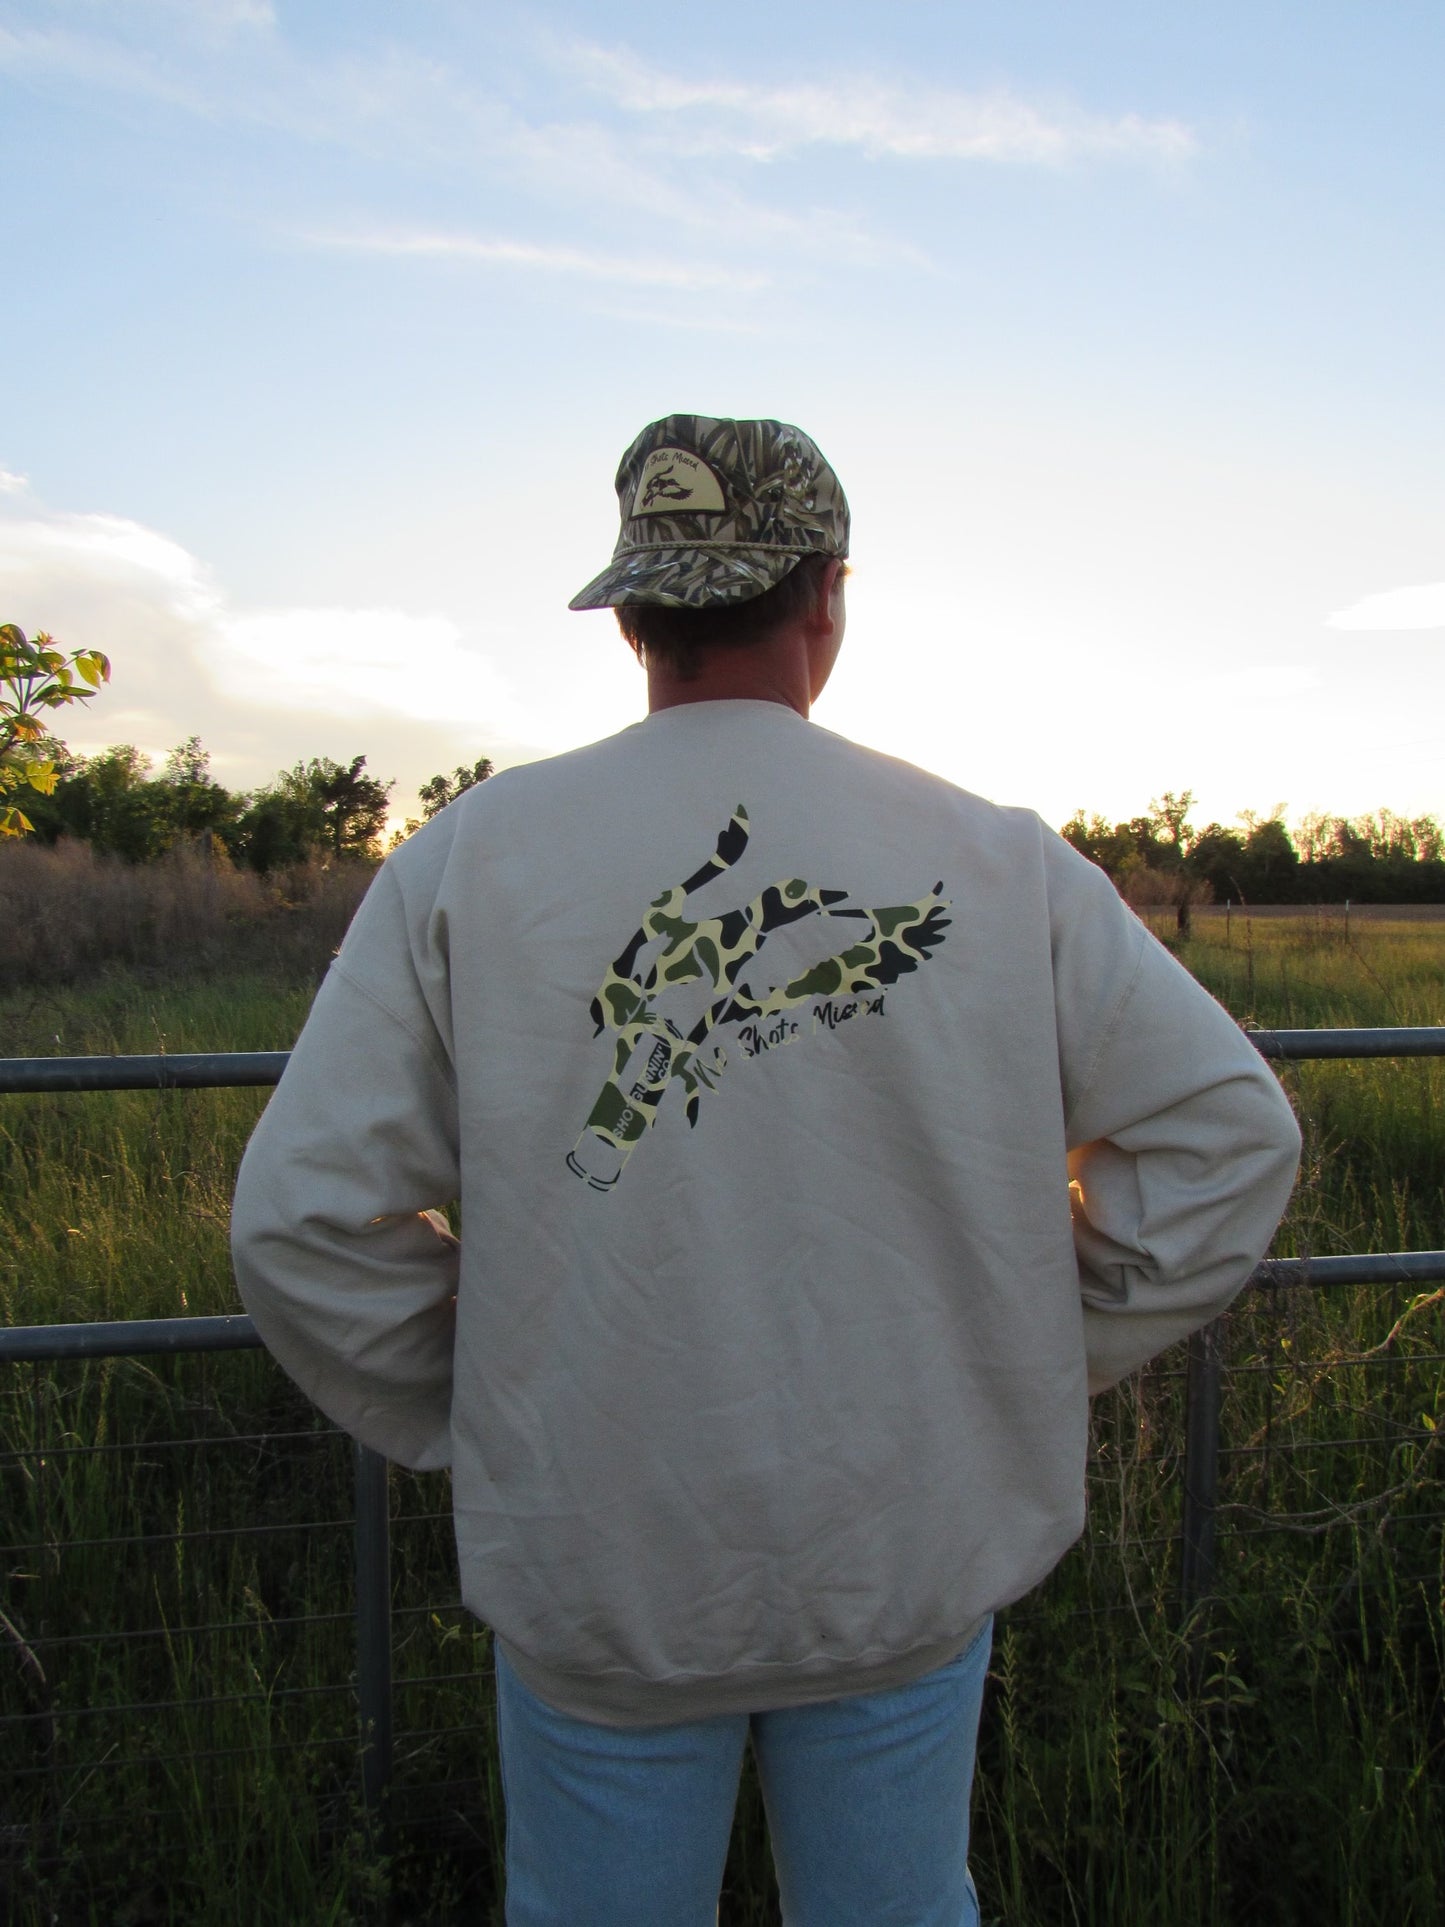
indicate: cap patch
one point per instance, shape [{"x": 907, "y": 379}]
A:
[{"x": 675, "y": 482}]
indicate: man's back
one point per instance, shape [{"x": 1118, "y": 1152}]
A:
[{"x": 755, "y": 1060}]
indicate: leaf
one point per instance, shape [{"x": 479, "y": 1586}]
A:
[{"x": 36, "y": 676}]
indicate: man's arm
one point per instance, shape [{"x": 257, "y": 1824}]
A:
[
  {"x": 341, "y": 1259},
  {"x": 1183, "y": 1148}
]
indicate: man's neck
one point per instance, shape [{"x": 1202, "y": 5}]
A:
[{"x": 774, "y": 670}]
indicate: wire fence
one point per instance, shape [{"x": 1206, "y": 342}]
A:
[
  {"x": 239, "y": 1583},
  {"x": 216, "y": 1604}
]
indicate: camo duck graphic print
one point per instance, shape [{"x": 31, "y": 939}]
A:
[{"x": 672, "y": 953}]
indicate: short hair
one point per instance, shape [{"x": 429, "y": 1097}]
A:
[{"x": 678, "y": 637}]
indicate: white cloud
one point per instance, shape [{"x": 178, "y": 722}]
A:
[
  {"x": 261, "y": 687},
  {"x": 13, "y": 484},
  {"x": 538, "y": 255},
  {"x": 878, "y": 117},
  {"x": 356, "y": 662},
  {"x": 228, "y": 60},
  {"x": 1420, "y": 606},
  {"x": 107, "y": 546},
  {"x": 388, "y": 100},
  {"x": 91, "y": 62},
  {"x": 341, "y": 662},
  {"x": 222, "y": 63}
]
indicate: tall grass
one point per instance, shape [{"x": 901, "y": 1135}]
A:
[
  {"x": 1275, "y": 1759},
  {"x": 67, "y": 911}
]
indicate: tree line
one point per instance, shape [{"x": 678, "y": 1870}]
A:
[
  {"x": 118, "y": 805},
  {"x": 121, "y": 805},
  {"x": 1161, "y": 858}
]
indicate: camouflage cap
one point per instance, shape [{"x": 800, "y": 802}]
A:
[{"x": 717, "y": 511}]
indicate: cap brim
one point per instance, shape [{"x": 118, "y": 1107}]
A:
[{"x": 690, "y": 577}]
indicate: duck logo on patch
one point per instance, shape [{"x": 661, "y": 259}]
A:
[{"x": 664, "y": 483}]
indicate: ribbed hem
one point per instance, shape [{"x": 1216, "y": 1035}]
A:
[{"x": 625, "y": 1699}]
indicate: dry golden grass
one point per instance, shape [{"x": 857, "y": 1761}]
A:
[{"x": 66, "y": 912}]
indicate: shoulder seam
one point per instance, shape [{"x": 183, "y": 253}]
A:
[{"x": 396, "y": 1017}]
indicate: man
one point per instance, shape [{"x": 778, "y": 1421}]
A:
[{"x": 823, "y": 1135}]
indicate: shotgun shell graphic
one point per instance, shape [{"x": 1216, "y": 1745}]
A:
[
  {"x": 647, "y": 1042},
  {"x": 624, "y": 1109}
]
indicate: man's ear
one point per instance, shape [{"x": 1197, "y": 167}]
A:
[{"x": 829, "y": 575}]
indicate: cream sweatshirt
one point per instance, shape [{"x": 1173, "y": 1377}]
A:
[{"x": 822, "y": 1134}]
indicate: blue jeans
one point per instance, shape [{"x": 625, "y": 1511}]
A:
[{"x": 866, "y": 1797}]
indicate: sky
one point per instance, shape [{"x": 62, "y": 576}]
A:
[{"x": 325, "y": 326}]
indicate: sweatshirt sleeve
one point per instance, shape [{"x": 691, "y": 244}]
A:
[
  {"x": 341, "y": 1256},
  {"x": 1183, "y": 1148}
]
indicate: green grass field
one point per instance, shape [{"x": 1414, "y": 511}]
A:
[{"x": 1276, "y": 1760}]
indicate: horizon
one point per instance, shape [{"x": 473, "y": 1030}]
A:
[{"x": 1300, "y": 828}]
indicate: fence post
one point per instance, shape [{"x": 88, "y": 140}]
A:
[
  {"x": 373, "y": 1622},
  {"x": 1201, "y": 1465}
]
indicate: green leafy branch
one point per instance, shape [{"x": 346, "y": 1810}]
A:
[{"x": 35, "y": 677}]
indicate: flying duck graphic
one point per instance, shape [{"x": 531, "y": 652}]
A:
[{"x": 665, "y": 483}]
